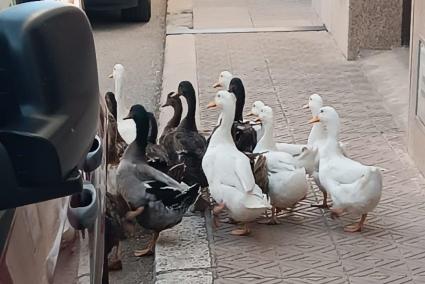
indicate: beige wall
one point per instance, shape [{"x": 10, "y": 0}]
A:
[
  {"x": 356, "y": 24},
  {"x": 335, "y": 16},
  {"x": 416, "y": 132}
]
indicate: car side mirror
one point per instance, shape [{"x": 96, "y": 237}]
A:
[{"x": 49, "y": 102}]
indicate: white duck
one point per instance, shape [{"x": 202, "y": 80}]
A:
[
  {"x": 304, "y": 157},
  {"x": 317, "y": 139},
  {"x": 292, "y": 149},
  {"x": 286, "y": 173},
  {"x": 255, "y": 110},
  {"x": 355, "y": 188},
  {"x": 228, "y": 170},
  {"x": 224, "y": 80},
  {"x": 126, "y": 128}
]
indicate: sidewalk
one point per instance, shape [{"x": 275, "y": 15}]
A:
[{"x": 283, "y": 70}]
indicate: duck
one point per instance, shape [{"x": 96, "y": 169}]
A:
[
  {"x": 158, "y": 202},
  {"x": 230, "y": 178},
  {"x": 157, "y": 155},
  {"x": 126, "y": 128},
  {"x": 173, "y": 101},
  {"x": 223, "y": 80},
  {"x": 255, "y": 111},
  {"x": 303, "y": 158},
  {"x": 292, "y": 149},
  {"x": 243, "y": 132},
  {"x": 117, "y": 228},
  {"x": 185, "y": 144},
  {"x": 317, "y": 139},
  {"x": 355, "y": 188},
  {"x": 116, "y": 144},
  {"x": 287, "y": 182}
]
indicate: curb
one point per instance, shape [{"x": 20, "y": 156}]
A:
[{"x": 182, "y": 253}]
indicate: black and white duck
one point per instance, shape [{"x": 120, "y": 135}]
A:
[
  {"x": 174, "y": 101},
  {"x": 185, "y": 144},
  {"x": 157, "y": 200},
  {"x": 243, "y": 132}
]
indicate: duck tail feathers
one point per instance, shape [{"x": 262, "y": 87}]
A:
[{"x": 189, "y": 197}]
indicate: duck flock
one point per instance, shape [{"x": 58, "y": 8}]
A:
[{"x": 243, "y": 169}]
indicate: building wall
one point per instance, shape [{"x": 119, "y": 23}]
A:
[
  {"x": 416, "y": 133},
  {"x": 357, "y": 24},
  {"x": 335, "y": 16},
  {"x": 374, "y": 25}
]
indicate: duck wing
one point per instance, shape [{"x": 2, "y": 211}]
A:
[
  {"x": 258, "y": 163},
  {"x": 157, "y": 157},
  {"x": 190, "y": 143},
  {"x": 172, "y": 197}
]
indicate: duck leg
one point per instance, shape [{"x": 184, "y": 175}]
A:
[
  {"x": 273, "y": 220},
  {"x": 130, "y": 215},
  {"x": 216, "y": 210},
  {"x": 336, "y": 212},
  {"x": 150, "y": 248},
  {"x": 244, "y": 231},
  {"x": 324, "y": 205},
  {"x": 356, "y": 227}
]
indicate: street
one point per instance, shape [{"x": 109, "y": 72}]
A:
[{"x": 139, "y": 48}]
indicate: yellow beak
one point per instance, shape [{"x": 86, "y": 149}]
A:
[
  {"x": 258, "y": 119},
  {"x": 305, "y": 106},
  {"x": 314, "y": 120},
  {"x": 250, "y": 114},
  {"x": 111, "y": 76},
  {"x": 211, "y": 105},
  {"x": 216, "y": 85}
]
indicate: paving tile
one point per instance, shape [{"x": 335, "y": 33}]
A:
[{"x": 283, "y": 69}]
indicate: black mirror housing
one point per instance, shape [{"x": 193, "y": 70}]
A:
[{"x": 49, "y": 100}]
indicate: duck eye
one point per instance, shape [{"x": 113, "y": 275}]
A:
[
  {"x": 219, "y": 96},
  {"x": 321, "y": 111}
]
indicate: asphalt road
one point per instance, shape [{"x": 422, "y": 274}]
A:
[{"x": 139, "y": 48}]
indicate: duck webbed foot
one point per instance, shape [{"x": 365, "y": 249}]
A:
[
  {"x": 273, "y": 220},
  {"x": 149, "y": 250},
  {"x": 115, "y": 262},
  {"x": 244, "y": 231},
  {"x": 357, "y": 227}
]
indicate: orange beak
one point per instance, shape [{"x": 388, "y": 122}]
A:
[
  {"x": 216, "y": 85},
  {"x": 314, "y": 120},
  {"x": 305, "y": 106},
  {"x": 250, "y": 114},
  {"x": 211, "y": 105},
  {"x": 258, "y": 119}
]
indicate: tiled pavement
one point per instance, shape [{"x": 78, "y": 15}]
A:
[{"x": 283, "y": 69}]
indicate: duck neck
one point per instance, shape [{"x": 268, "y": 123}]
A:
[
  {"x": 189, "y": 122},
  {"x": 267, "y": 141},
  {"x": 121, "y": 112},
  {"x": 177, "y": 116},
  {"x": 153, "y": 129},
  {"x": 331, "y": 147},
  {"x": 223, "y": 134},
  {"x": 142, "y": 130},
  {"x": 240, "y": 103}
]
